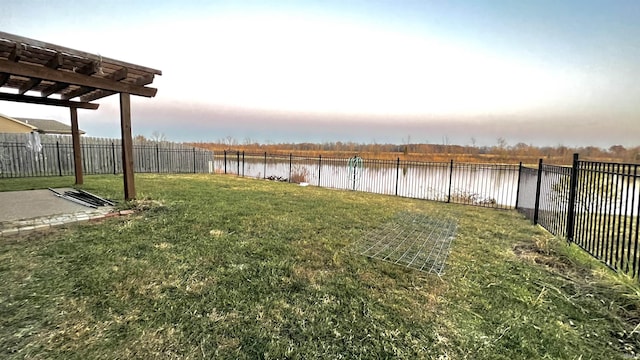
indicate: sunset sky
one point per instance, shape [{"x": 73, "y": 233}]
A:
[{"x": 540, "y": 72}]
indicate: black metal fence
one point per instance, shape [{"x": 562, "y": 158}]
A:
[
  {"x": 101, "y": 157},
  {"x": 487, "y": 185},
  {"x": 606, "y": 209},
  {"x": 592, "y": 204}
]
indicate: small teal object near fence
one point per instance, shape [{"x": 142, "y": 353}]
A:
[{"x": 355, "y": 170}]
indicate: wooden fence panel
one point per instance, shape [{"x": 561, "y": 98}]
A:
[{"x": 21, "y": 158}]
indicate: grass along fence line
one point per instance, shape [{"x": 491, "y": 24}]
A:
[{"x": 234, "y": 268}]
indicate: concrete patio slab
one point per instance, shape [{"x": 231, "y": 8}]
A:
[{"x": 23, "y": 211}]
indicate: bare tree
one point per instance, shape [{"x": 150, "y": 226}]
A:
[
  {"x": 158, "y": 136},
  {"x": 230, "y": 141}
]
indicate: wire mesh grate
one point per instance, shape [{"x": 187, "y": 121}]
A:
[{"x": 414, "y": 240}]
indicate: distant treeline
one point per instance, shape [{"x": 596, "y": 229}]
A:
[{"x": 502, "y": 152}]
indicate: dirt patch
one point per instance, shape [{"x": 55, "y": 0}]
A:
[
  {"x": 543, "y": 255},
  {"x": 585, "y": 285},
  {"x": 145, "y": 204}
]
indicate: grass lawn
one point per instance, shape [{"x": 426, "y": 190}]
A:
[{"x": 233, "y": 268}]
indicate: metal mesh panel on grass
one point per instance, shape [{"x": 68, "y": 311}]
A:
[{"x": 414, "y": 240}]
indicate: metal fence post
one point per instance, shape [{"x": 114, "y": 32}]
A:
[
  {"x": 397, "y": 174},
  {"x": 225, "y": 162},
  {"x": 158, "y": 157},
  {"x": 290, "y": 160},
  {"x": 59, "y": 160},
  {"x": 113, "y": 156},
  {"x": 194, "y": 160},
  {"x": 243, "y": 163},
  {"x": 319, "y": 167},
  {"x": 538, "y": 183},
  {"x": 572, "y": 199},
  {"x": 238, "y": 162},
  {"x": 518, "y": 186},
  {"x": 450, "y": 180}
]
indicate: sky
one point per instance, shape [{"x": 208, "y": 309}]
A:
[{"x": 540, "y": 72}]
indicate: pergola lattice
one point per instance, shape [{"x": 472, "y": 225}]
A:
[{"x": 42, "y": 73}]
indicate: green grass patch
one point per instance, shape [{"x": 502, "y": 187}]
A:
[{"x": 232, "y": 268}]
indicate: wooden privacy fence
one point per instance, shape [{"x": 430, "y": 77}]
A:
[{"x": 22, "y": 156}]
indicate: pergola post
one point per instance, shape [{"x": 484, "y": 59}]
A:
[
  {"x": 127, "y": 146},
  {"x": 73, "y": 78},
  {"x": 77, "y": 153}
]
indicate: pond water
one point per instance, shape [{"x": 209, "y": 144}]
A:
[{"x": 489, "y": 185}]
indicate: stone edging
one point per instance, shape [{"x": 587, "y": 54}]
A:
[{"x": 16, "y": 227}]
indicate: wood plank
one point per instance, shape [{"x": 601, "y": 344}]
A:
[
  {"x": 45, "y": 73},
  {"x": 89, "y": 69},
  {"x": 127, "y": 146},
  {"x": 99, "y": 94},
  {"x": 16, "y": 53},
  {"x": 77, "y": 152},
  {"x": 53, "y": 63},
  {"x": 66, "y": 50},
  {"x": 117, "y": 75},
  {"x": 77, "y": 92},
  {"x": 14, "y": 56},
  {"x": 54, "y": 88},
  {"x": 46, "y": 101},
  {"x": 33, "y": 82},
  {"x": 4, "y": 77}
]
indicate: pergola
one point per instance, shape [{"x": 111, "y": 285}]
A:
[{"x": 49, "y": 74}]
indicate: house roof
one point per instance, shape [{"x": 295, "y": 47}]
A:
[
  {"x": 29, "y": 127},
  {"x": 47, "y": 126}
]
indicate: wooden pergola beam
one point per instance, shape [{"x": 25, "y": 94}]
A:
[
  {"x": 14, "y": 56},
  {"x": 45, "y": 45},
  {"x": 77, "y": 92},
  {"x": 99, "y": 94},
  {"x": 45, "y": 73},
  {"x": 53, "y": 89},
  {"x": 47, "y": 101},
  {"x": 53, "y": 63},
  {"x": 115, "y": 76},
  {"x": 89, "y": 69}
]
